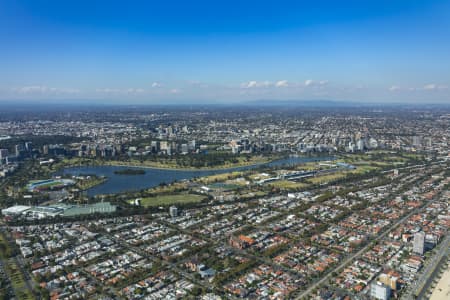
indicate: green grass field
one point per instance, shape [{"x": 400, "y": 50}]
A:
[
  {"x": 11, "y": 269},
  {"x": 219, "y": 177},
  {"x": 17, "y": 281},
  {"x": 363, "y": 169},
  {"x": 224, "y": 186},
  {"x": 162, "y": 200},
  {"x": 287, "y": 185},
  {"x": 171, "y": 188},
  {"x": 312, "y": 165},
  {"x": 4, "y": 248},
  {"x": 13, "y": 272},
  {"x": 326, "y": 178},
  {"x": 89, "y": 183}
]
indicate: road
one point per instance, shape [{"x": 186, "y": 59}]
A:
[
  {"x": 420, "y": 288},
  {"x": 165, "y": 263},
  {"x": 357, "y": 254},
  {"x": 21, "y": 265},
  {"x": 415, "y": 166}
]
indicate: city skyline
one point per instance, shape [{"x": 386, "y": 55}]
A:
[{"x": 156, "y": 53}]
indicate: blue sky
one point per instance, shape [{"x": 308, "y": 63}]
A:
[{"x": 225, "y": 51}]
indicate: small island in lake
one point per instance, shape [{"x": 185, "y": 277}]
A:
[{"x": 130, "y": 172}]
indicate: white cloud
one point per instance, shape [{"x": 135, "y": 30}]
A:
[
  {"x": 108, "y": 91},
  {"x": 256, "y": 84},
  {"x": 174, "y": 91},
  {"x": 198, "y": 84},
  {"x": 32, "y": 89},
  {"x": 112, "y": 91},
  {"x": 156, "y": 85},
  {"x": 311, "y": 83},
  {"x": 135, "y": 91},
  {"x": 427, "y": 87},
  {"x": 430, "y": 86},
  {"x": 250, "y": 84},
  {"x": 282, "y": 83},
  {"x": 434, "y": 87},
  {"x": 42, "y": 89},
  {"x": 395, "y": 88}
]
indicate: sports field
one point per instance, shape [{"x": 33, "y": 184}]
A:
[{"x": 162, "y": 200}]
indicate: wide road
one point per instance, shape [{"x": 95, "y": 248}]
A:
[
  {"x": 415, "y": 166},
  {"x": 357, "y": 254},
  {"x": 429, "y": 274}
]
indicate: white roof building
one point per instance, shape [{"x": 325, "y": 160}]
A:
[{"x": 15, "y": 210}]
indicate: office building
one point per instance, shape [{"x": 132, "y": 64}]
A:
[
  {"x": 419, "y": 243},
  {"x": 380, "y": 291},
  {"x": 173, "y": 211},
  {"x": 417, "y": 141},
  {"x": 360, "y": 145}
]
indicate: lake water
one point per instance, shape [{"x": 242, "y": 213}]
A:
[{"x": 154, "y": 177}]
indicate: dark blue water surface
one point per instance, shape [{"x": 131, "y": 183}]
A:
[{"x": 153, "y": 177}]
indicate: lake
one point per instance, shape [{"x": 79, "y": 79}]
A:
[{"x": 153, "y": 177}]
